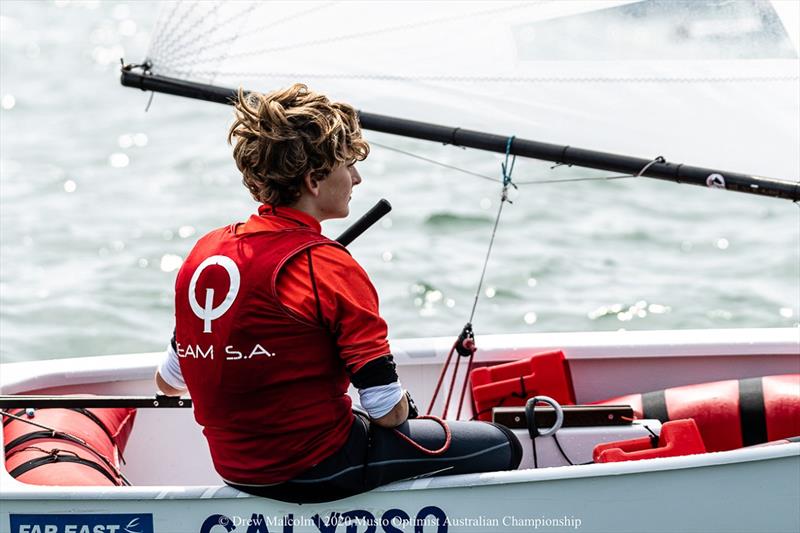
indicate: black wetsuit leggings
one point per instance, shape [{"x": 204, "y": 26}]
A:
[{"x": 374, "y": 456}]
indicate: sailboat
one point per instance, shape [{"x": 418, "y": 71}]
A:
[{"x": 604, "y": 455}]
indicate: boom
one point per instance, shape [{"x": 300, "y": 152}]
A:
[{"x": 567, "y": 155}]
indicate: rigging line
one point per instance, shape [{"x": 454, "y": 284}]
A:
[
  {"x": 657, "y": 159},
  {"x": 503, "y": 199},
  {"x": 149, "y": 101},
  {"x": 569, "y": 180},
  {"x": 489, "y": 79},
  {"x": 177, "y": 41},
  {"x": 379, "y": 31},
  {"x": 488, "y": 254},
  {"x": 465, "y": 343},
  {"x": 490, "y": 178},
  {"x": 177, "y": 60},
  {"x": 435, "y": 162}
]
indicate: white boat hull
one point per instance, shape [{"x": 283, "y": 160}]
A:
[
  {"x": 176, "y": 490},
  {"x": 745, "y": 490}
]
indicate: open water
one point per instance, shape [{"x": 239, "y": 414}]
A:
[{"x": 100, "y": 201}]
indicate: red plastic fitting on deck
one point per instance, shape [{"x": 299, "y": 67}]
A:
[
  {"x": 678, "y": 437},
  {"x": 511, "y": 384}
]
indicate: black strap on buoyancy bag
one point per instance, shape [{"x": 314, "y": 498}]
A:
[
  {"x": 86, "y": 412},
  {"x": 94, "y": 418},
  {"x": 52, "y": 433},
  {"x": 752, "y": 416},
  {"x": 654, "y": 405},
  {"x": 58, "y": 456},
  {"x": 34, "y": 435},
  {"x": 7, "y": 420},
  {"x": 752, "y": 413}
]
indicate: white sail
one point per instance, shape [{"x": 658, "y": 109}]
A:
[{"x": 710, "y": 83}]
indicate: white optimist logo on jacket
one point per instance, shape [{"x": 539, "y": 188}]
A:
[{"x": 207, "y": 312}]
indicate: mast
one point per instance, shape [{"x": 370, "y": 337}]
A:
[{"x": 559, "y": 154}]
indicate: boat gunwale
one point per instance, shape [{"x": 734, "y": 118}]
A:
[
  {"x": 16, "y": 377},
  {"x": 15, "y": 490}
]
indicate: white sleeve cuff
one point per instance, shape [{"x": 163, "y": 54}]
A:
[
  {"x": 170, "y": 369},
  {"x": 379, "y": 400}
]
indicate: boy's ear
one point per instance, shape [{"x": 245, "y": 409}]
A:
[{"x": 311, "y": 184}]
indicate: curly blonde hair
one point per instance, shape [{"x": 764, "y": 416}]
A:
[{"x": 284, "y": 135}]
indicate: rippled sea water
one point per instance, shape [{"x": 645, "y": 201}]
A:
[{"x": 100, "y": 201}]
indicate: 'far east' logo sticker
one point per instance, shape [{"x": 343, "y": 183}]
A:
[{"x": 81, "y": 523}]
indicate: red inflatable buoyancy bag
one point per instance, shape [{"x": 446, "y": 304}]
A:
[
  {"x": 84, "y": 450},
  {"x": 730, "y": 414}
]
